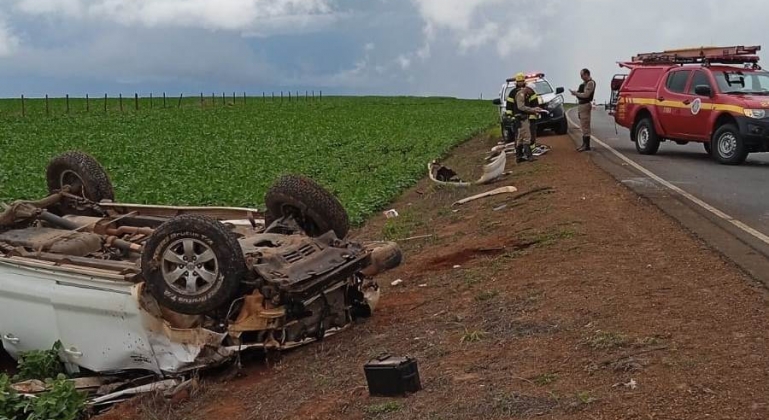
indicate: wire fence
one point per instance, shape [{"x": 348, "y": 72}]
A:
[{"x": 51, "y": 106}]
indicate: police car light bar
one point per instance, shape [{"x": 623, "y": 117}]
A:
[{"x": 529, "y": 76}]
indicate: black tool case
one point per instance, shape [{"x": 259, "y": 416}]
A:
[{"x": 389, "y": 376}]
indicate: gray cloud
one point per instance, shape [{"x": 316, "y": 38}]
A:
[
  {"x": 9, "y": 42},
  {"x": 440, "y": 47}
]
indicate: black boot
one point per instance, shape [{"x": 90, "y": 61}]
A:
[
  {"x": 519, "y": 154},
  {"x": 527, "y": 153},
  {"x": 585, "y": 144}
]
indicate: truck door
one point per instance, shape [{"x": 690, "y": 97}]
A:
[
  {"x": 670, "y": 102},
  {"x": 100, "y": 324},
  {"x": 695, "y": 119},
  {"x": 27, "y": 317}
]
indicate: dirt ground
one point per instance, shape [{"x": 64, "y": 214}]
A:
[{"x": 577, "y": 301}]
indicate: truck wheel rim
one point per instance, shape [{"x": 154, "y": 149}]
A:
[
  {"x": 727, "y": 145},
  {"x": 190, "y": 266},
  {"x": 643, "y": 137},
  {"x": 74, "y": 180}
]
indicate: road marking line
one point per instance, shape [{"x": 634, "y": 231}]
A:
[{"x": 747, "y": 229}]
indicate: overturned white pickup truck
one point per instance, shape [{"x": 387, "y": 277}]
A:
[{"x": 169, "y": 289}]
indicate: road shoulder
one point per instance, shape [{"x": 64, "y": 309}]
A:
[{"x": 745, "y": 251}]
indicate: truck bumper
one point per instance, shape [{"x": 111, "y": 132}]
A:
[
  {"x": 755, "y": 133},
  {"x": 555, "y": 118}
]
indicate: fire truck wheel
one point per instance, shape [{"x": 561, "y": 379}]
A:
[
  {"x": 728, "y": 146},
  {"x": 646, "y": 140}
]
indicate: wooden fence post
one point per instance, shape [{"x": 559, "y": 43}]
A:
[
  {"x": 121, "y": 102},
  {"x": 164, "y": 100},
  {"x": 23, "y": 111},
  {"x": 105, "y": 103},
  {"x": 87, "y": 104},
  {"x": 180, "y": 100},
  {"x": 47, "y": 108},
  {"x": 150, "y": 100},
  {"x": 67, "y": 103},
  {"x": 213, "y": 99},
  {"x": 136, "y": 101}
]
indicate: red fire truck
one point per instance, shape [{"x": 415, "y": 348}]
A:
[{"x": 718, "y": 96}]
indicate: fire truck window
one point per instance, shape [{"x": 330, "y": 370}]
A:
[
  {"x": 677, "y": 81},
  {"x": 700, "y": 78}
]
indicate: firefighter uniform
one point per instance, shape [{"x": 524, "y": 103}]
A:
[
  {"x": 509, "y": 119},
  {"x": 526, "y": 111},
  {"x": 585, "y": 95}
]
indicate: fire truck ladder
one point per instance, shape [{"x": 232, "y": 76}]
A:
[{"x": 702, "y": 55}]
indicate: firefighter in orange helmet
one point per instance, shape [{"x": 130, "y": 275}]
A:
[{"x": 526, "y": 110}]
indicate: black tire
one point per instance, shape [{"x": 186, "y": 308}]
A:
[
  {"x": 83, "y": 173},
  {"x": 563, "y": 127},
  {"x": 646, "y": 140},
  {"x": 161, "y": 259},
  {"x": 315, "y": 209},
  {"x": 708, "y": 149},
  {"x": 728, "y": 145}
]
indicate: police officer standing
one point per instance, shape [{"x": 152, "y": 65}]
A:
[
  {"x": 585, "y": 95},
  {"x": 526, "y": 110}
]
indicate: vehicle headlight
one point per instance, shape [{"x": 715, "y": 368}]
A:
[
  {"x": 755, "y": 113},
  {"x": 558, "y": 100}
]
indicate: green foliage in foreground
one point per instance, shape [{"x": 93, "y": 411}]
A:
[
  {"x": 60, "y": 401},
  {"x": 364, "y": 149}
]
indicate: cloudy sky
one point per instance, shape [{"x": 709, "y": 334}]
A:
[{"x": 461, "y": 48}]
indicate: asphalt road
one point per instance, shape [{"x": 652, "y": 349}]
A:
[{"x": 742, "y": 192}]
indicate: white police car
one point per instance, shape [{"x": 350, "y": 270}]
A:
[{"x": 550, "y": 99}]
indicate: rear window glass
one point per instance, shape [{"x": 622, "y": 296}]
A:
[
  {"x": 643, "y": 78},
  {"x": 676, "y": 81}
]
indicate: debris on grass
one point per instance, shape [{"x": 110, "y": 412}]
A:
[
  {"x": 390, "y": 214},
  {"x": 502, "y": 190},
  {"x": 632, "y": 384},
  {"x": 493, "y": 170}
]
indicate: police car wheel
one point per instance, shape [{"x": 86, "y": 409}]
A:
[
  {"x": 728, "y": 146},
  {"x": 646, "y": 140}
]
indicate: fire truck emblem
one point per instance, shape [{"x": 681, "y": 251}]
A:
[{"x": 696, "y": 105}]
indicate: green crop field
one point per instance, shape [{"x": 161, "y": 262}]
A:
[{"x": 366, "y": 149}]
